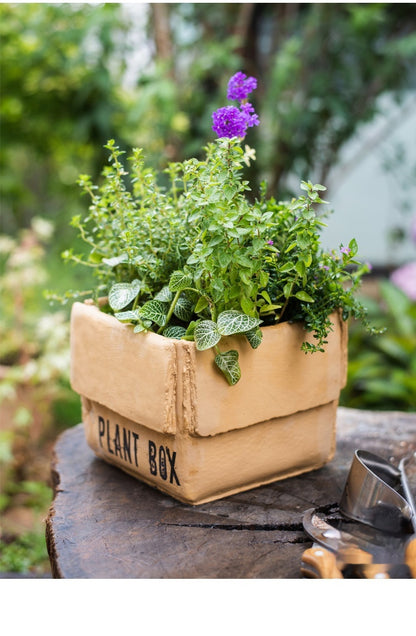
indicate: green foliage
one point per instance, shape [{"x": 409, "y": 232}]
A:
[
  {"x": 36, "y": 401},
  {"x": 382, "y": 370},
  {"x": 59, "y": 103},
  {"x": 66, "y": 93},
  {"x": 198, "y": 260},
  {"x": 27, "y": 552}
]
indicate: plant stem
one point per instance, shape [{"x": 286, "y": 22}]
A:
[
  {"x": 285, "y": 304},
  {"x": 170, "y": 312}
]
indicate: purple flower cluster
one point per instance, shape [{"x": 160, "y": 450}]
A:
[
  {"x": 240, "y": 86},
  {"x": 231, "y": 121}
]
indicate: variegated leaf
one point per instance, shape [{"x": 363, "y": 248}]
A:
[
  {"x": 227, "y": 362},
  {"x": 179, "y": 281},
  {"x": 121, "y": 294},
  {"x": 233, "y": 321},
  {"x": 206, "y": 334},
  {"x": 165, "y": 295},
  {"x": 156, "y": 311},
  {"x": 127, "y": 316},
  {"x": 254, "y": 336},
  {"x": 174, "y": 331},
  {"x": 184, "y": 309}
]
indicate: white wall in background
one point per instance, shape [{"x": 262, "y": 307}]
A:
[{"x": 367, "y": 200}]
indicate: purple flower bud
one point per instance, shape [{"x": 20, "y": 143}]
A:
[
  {"x": 270, "y": 242},
  {"x": 240, "y": 86},
  {"x": 344, "y": 250}
]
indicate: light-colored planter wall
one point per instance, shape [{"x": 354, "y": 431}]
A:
[{"x": 160, "y": 410}]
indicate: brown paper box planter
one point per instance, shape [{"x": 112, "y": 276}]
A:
[{"x": 159, "y": 409}]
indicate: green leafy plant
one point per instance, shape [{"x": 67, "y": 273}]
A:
[
  {"x": 200, "y": 258},
  {"x": 382, "y": 370}
]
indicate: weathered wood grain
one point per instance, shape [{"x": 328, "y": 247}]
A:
[{"x": 105, "y": 524}]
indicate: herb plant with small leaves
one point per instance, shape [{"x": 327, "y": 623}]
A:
[{"x": 199, "y": 260}]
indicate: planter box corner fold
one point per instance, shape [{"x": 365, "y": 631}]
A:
[{"x": 160, "y": 410}]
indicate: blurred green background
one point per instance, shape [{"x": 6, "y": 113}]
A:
[{"x": 149, "y": 75}]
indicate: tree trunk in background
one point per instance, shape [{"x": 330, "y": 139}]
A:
[{"x": 162, "y": 34}]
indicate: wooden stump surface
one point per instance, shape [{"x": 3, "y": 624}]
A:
[{"x": 105, "y": 524}]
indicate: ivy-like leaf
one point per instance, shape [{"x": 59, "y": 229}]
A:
[
  {"x": 179, "y": 281},
  {"x": 227, "y": 362},
  {"x": 121, "y": 294},
  {"x": 165, "y": 295},
  {"x": 254, "y": 336},
  {"x": 127, "y": 316},
  {"x": 155, "y": 311},
  {"x": 184, "y": 309},
  {"x": 233, "y": 321},
  {"x": 174, "y": 331},
  {"x": 206, "y": 335}
]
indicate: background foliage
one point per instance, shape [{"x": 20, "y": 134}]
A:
[{"x": 74, "y": 76}]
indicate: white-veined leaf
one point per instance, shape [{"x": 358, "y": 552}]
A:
[
  {"x": 144, "y": 325},
  {"x": 184, "y": 309},
  {"x": 165, "y": 295},
  {"x": 227, "y": 362},
  {"x": 174, "y": 331},
  {"x": 206, "y": 334},
  {"x": 155, "y": 311},
  {"x": 121, "y": 294},
  {"x": 179, "y": 281},
  {"x": 127, "y": 316},
  {"x": 233, "y": 321},
  {"x": 254, "y": 336}
]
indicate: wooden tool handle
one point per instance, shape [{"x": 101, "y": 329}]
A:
[
  {"x": 410, "y": 556},
  {"x": 319, "y": 563}
]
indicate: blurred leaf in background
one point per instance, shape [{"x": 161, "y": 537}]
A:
[
  {"x": 59, "y": 65},
  {"x": 36, "y": 402},
  {"x": 382, "y": 369}
]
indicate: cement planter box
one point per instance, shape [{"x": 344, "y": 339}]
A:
[{"x": 159, "y": 409}]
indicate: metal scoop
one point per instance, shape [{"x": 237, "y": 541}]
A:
[{"x": 377, "y": 494}]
